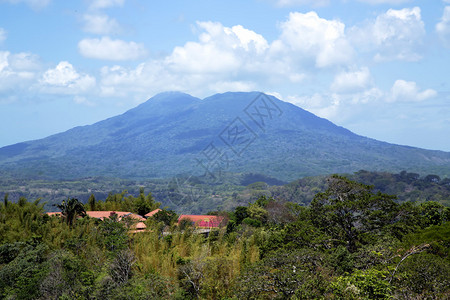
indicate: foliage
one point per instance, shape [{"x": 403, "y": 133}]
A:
[
  {"x": 270, "y": 249},
  {"x": 424, "y": 276},
  {"x": 70, "y": 209},
  {"x": 284, "y": 275},
  {"x": 140, "y": 205},
  {"x": 113, "y": 234},
  {"x": 21, "y": 277},
  {"x": 144, "y": 204},
  {"x": 348, "y": 210},
  {"x": 168, "y": 217},
  {"x": 369, "y": 284},
  {"x": 205, "y": 195},
  {"x": 432, "y": 213}
]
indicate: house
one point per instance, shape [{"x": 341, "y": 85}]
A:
[
  {"x": 203, "y": 221},
  {"x": 56, "y": 213},
  {"x": 139, "y": 226},
  {"x": 152, "y": 213},
  {"x": 108, "y": 213}
]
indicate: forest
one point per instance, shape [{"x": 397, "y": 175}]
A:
[
  {"x": 351, "y": 241},
  {"x": 201, "y": 194}
]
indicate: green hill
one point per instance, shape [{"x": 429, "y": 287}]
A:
[{"x": 175, "y": 133}]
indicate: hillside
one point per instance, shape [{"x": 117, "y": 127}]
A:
[{"x": 175, "y": 133}]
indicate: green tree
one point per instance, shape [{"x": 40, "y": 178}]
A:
[
  {"x": 70, "y": 209},
  {"x": 114, "y": 234},
  {"x": 296, "y": 274},
  {"x": 20, "y": 221},
  {"x": 22, "y": 276},
  {"x": 347, "y": 210},
  {"x": 5, "y": 200},
  {"x": 369, "y": 284},
  {"x": 92, "y": 202},
  {"x": 258, "y": 213},
  {"x": 144, "y": 204},
  {"x": 240, "y": 213},
  {"x": 432, "y": 213},
  {"x": 423, "y": 276},
  {"x": 65, "y": 277},
  {"x": 168, "y": 217}
]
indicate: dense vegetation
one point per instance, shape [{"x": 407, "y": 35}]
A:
[
  {"x": 406, "y": 186},
  {"x": 199, "y": 195},
  {"x": 351, "y": 242}
]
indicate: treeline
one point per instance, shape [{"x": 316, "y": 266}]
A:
[
  {"x": 407, "y": 186},
  {"x": 351, "y": 242},
  {"x": 123, "y": 201},
  {"x": 190, "y": 194}
]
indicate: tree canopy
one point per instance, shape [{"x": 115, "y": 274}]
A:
[{"x": 350, "y": 243}]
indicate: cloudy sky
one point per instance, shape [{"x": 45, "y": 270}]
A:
[{"x": 380, "y": 68}]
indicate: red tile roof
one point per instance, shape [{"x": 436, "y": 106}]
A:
[
  {"x": 120, "y": 214},
  {"x": 140, "y": 225},
  {"x": 106, "y": 214},
  {"x": 203, "y": 221},
  {"x": 57, "y": 213},
  {"x": 150, "y": 214}
]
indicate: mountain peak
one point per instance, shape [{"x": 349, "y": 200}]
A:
[
  {"x": 164, "y": 103},
  {"x": 169, "y": 95},
  {"x": 173, "y": 133}
]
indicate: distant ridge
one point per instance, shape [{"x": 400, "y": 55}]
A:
[{"x": 174, "y": 133}]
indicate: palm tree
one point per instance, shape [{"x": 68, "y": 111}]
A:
[{"x": 71, "y": 209}]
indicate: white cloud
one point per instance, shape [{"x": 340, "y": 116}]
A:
[
  {"x": 35, "y": 4},
  {"x": 100, "y": 4},
  {"x": 219, "y": 49},
  {"x": 100, "y": 24},
  {"x": 396, "y": 34},
  {"x": 370, "y": 95},
  {"x": 202, "y": 58},
  {"x": 142, "y": 81},
  {"x": 236, "y": 58},
  {"x": 392, "y": 2},
  {"x": 338, "y": 107},
  {"x": 232, "y": 86},
  {"x": 26, "y": 62},
  {"x": 17, "y": 70},
  {"x": 302, "y": 2},
  {"x": 63, "y": 74},
  {"x": 64, "y": 79},
  {"x": 408, "y": 91},
  {"x": 223, "y": 58},
  {"x": 20, "y": 63},
  {"x": 2, "y": 34},
  {"x": 309, "y": 102},
  {"x": 248, "y": 39},
  {"x": 83, "y": 100},
  {"x": 345, "y": 107},
  {"x": 108, "y": 49},
  {"x": 350, "y": 82},
  {"x": 318, "y": 3},
  {"x": 275, "y": 94},
  {"x": 3, "y": 60},
  {"x": 443, "y": 27},
  {"x": 323, "y": 105},
  {"x": 307, "y": 36}
]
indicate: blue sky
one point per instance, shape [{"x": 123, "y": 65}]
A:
[{"x": 377, "y": 67}]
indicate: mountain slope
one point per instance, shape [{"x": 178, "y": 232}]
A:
[{"x": 175, "y": 133}]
